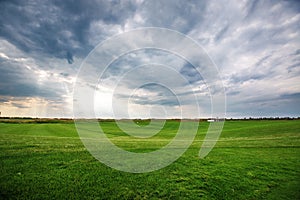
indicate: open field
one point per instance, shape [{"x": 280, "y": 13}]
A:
[{"x": 252, "y": 160}]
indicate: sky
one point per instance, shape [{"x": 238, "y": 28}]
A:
[{"x": 254, "y": 44}]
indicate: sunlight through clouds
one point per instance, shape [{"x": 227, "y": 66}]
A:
[{"x": 255, "y": 45}]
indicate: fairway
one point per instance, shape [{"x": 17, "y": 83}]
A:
[{"x": 251, "y": 160}]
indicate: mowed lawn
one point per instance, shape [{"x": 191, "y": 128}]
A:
[{"x": 252, "y": 160}]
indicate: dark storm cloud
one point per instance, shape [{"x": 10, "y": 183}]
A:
[
  {"x": 17, "y": 81},
  {"x": 57, "y": 28}
]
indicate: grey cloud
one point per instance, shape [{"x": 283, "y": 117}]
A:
[
  {"x": 297, "y": 52},
  {"x": 191, "y": 74},
  {"x": 163, "y": 102},
  {"x": 19, "y": 105},
  {"x": 17, "y": 81},
  {"x": 291, "y": 96},
  {"x": 64, "y": 74},
  {"x": 57, "y": 28},
  {"x": 137, "y": 58},
  {"x": 4, "y": 99},
  {"x": 70, "y": 58},
  {"x": 247, "y": 77},
  {"x": 286, "y": 104},
  {"x": 291, "y": 67},
  {"x": 163, "y": 99},
  {"x": 251, "y": 7},
  {"x": 264, "y": 28},
  {"x": 262, "y": 60},
  {"x": 198, "y": 92},
  {"x": 232, "y": 93},
  {"x": 221, "y": 33},
  {"x": 159, "y": 95},
  {"x": 178, "y": 15}
]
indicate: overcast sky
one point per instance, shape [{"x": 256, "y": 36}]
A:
[{"x": 254, "y": 44}]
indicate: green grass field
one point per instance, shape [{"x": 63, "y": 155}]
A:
[{"x": 252, "y": 160}]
